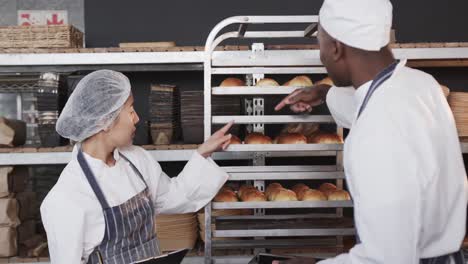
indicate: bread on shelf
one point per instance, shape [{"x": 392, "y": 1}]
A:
[
  {"x": 231, "y": 81},
  {"x": 266, "y": 82},
  {"x": 291, "y": 138},
  {"x": 257, "y": 138}
]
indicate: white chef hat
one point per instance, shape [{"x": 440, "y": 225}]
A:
[{"x": 362, "y": 24}]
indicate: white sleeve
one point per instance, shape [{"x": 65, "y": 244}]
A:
[
  {"x": 387, "y": 200},
  {"x": 64, "y": 225},
  {"x": 191, "y": 190},
  {"x": 341, "y": 103}
]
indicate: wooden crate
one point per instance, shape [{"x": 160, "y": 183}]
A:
[{"x": 40, "y": 37}]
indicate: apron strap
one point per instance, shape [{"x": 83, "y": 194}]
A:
[
  {"x": 376, "y": 83},
  {"x": 457, "y": 257},
  {"x": 135, "y": 169},
  {"x": 92, "y": 180}
]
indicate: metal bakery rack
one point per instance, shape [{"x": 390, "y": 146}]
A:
[{"x": 262, "y": 230}]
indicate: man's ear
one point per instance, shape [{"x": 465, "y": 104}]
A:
[{"x": 338, "y": 50}]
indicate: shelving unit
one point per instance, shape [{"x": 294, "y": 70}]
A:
[
  {"x": 255, "y": 63},
  {"x": 229, "y": 60}
]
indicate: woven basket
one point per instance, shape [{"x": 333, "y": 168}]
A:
[{"x": 40, "y": 37}]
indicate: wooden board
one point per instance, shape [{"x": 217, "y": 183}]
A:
[{"x": 162, "y": 44}]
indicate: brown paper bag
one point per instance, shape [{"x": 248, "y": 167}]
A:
[
  {"x": 4, "y": 181},
  {"x": 13, "y": 180},
  {"x": 12, "y": 132},
  {"x": 8, "y": 244},
  {"x": 9, "y": 213}
]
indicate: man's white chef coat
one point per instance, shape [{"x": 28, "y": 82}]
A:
[
  {"x": 73, "y": 217},
  {"x": 404, "y": 169}
]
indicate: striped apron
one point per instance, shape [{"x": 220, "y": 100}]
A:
[
  {"x": 457, "y": 257},
  {"x": 130, "y": 232}
]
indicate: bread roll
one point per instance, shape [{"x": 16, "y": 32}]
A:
[
  {"x": 253, "y": 196},
  {"x": 283, "y": 195},
  {"x": 232, "y": 82},
  {"x": 339, "y": 195},
  {"x": 245, "y": 188},
  {"x": 313, "y": 195},
  {"x": 326, "y": 80},
  {"x": 271, "y": 187},
  {"x": 301, "y": 81},
  {"x": 327, "y": 188},
  {"x": 266, "y": 82},
  {"x": 445, "y": 90},
  {"x": 235, "y": 140},
  {"x": 272, "y": 193},
  {"x": 299, "y": 189},
  {"x": 325, "y": 138},
  {"x": 226, "y": 188},
  {"x": 257, "y": 138},
  {"x": 307, "y": 129},
  {"x": 226, "y": 196},
  {"x": 291, "y": 138}
]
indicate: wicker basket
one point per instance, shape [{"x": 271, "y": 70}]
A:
[{"x": 40, "y": 37}]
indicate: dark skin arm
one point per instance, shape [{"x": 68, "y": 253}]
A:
[{"x": 303, "y": 100}]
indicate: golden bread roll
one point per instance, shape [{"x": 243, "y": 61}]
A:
[
  {"x": 266, "y": 82},
  {"x": 245, "y": 188},
  {"x": 283, "y": 195},
  {"x": 226, "y": 188},
  {"x": 232, "y": 82},
  {"x": 445, "y": 90},
  {"x": 253, "y": 196},
  {"x": 271, "y": 187},
  {"x": 257, "y": 138},
  {"x": 339, "y": 195},
  {"x": 307, "y": 129},
  {"x": 272, "y": 193},
  {"x": 226, "y": 196},
  {"x": 327, "y": 188},
  {"x": 325, "y": 138},
  {"x": 235, "y": 140},
  {"x": 326, "y": 80},
  {"x": 299, "y": 189},
  {"x": 313, "y": 195},
  {"x": 300, "y": 81},
  {"x": 291, "y": 138}
]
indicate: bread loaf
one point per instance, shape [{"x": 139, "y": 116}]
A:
[
  {"x": 313, "y": 195},
  {"x": 300, "y": 81},
  {"x": 257, "y": 138},
  {"x": 339, "y": 195},
  {"x": 325, "y": 138},
  {"x": 281, "y": 195},
  {"x": 232, "y": 82},
  {"x": 291, "y": 138},
  {"x": 266, "y": 82}
]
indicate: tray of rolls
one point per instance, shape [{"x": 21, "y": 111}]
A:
[
  {"x": 265, "y": 86},
  {"x": 276, "y": 196},
  {"x": 297, "y": 137}
]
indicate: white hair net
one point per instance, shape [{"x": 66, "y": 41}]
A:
[{"x": 94, "y": 104}]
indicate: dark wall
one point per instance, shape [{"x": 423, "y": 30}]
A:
[{"x": 109, "y": 22}]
